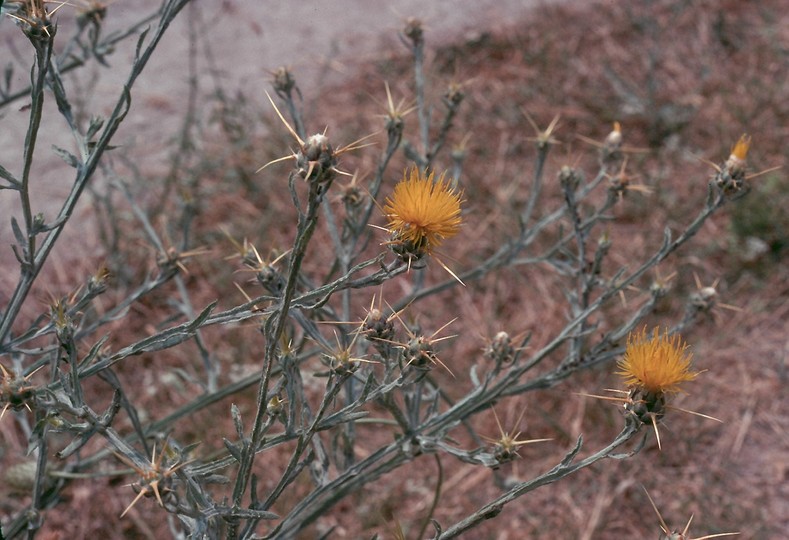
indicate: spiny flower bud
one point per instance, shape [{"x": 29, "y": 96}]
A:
[
  {"x": 35, "y": 21},
  {"x": 316, "y": 159},
  {"x": 283, "y": 80},
  {"x": 64, "y": 326},
  {"x": 97, "y": 283},
  {"x": 611, "y": 151},
  {"x": 731, "y": 177},
  {"x": 341, "y": 362},
  {"x": 275, "y": 406},
  {"x": 500, "y": 348},
  {"x": 419, "y": 353},
  {"x": 15, "y": 391},
  {"x": 735, "y": 165},
  {"x": 377, "y": 326},
  {"x": 414, "y": 31},
  {"x": 570, "y": 177},
  {"x": 271, "y": 279},
  {"x": 454, "y": 95}
]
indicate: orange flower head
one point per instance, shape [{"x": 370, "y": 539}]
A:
[
  {"x": 657, "y": 364},
  {"x": 422, "y": 213},
  {"x": 614, "y": 139},
  {"x": 740, "y": 150}
]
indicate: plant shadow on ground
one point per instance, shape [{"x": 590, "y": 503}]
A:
[{"x": 704, "y": 73}]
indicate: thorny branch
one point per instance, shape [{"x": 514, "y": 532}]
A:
[{"x": 369, "y": 368}]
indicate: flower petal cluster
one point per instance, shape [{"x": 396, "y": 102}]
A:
[
  {"x": 422, "y": 212},
  {"x": 657, "y": 364}
]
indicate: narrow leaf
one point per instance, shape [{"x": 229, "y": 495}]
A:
[{"x": 66, "y": 156}]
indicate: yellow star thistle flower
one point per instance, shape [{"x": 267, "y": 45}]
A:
[
  {"x": 423, "y": 213},
  {"x": 740, "y": 150},
  {"x": 657, "y": 364}
]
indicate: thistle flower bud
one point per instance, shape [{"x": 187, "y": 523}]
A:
[
  {"x": 97, "y": 283},
  {"x": 34, "y": 19},
  {"x": 377, "y": 326},
  {"x": 341, "y": 362},
  {"x": 93, "y": 12},
  {"x": 735, "y": 165},
  {"x": 284, "y": 81},
  {"x": 316, "y": 159},
  {"x": 275, "y": 406},
  {"x": 614, "y": 139},
  {"x": 419, "y": 353},
  {"x": 414, "y": 31},
  {"x": 64, "y": 325},
  {"x": 15, "y": 391},
  {"x": 454, "y": 95},
  {"x": 658, "y": 289},
  {"x": 500, "y": 349},
  {"x": 570, "y": 178},
  {"x": 611, "y": 151},
  {"x": 270, "y": 278},
  {"x": 730, "y": 178},
  {"x": 504, "y": 453},
  {"x": 703, "y": 300}
]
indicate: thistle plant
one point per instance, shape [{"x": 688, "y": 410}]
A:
[{"x": 355, "y": 320}]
